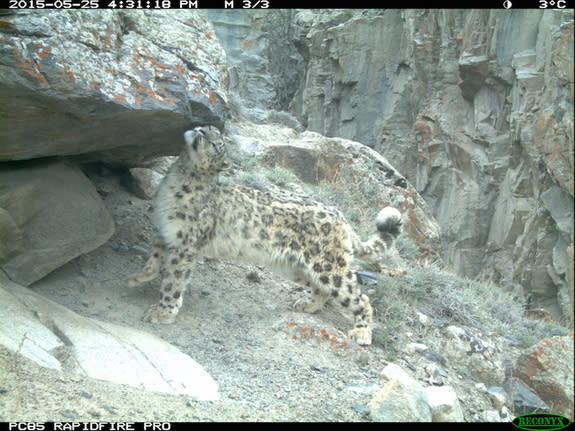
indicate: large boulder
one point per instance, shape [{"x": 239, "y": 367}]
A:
[
  {"x": 445, "y": 406},
  {"x": 548, "y": 368},
  {"x": 354, "y": 170},
  {"x": 55, "y": 337},
  {"x": 118, "y": 86},
  {"x": 402, "y": 398},
  {"x": 50, "y": 213}
]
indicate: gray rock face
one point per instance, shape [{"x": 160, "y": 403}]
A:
[
  {"x": 90, "y": 82},
  {"x": 23, "y": 332},
  {"x": 524, "y": 399},
  {"x": 50, "y": 213},
  {"x": 475, "y": 108},
  {"x": 264, "y": 67},
  {"x": 58, "y": 338},
  {"x": 145, "y": 181}
]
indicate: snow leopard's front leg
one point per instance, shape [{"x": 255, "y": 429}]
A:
[{"x": 176, "y": 270}]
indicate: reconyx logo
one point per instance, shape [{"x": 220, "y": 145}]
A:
[{"x": 541, "y": 421}]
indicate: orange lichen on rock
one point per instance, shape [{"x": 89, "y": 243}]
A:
[
  {"x": 28, "y": 66},
  {"x": 120, "y": 98},
  {"x": 336, "y": 340},
  {"x": 546, "y": 367},
  {"x": 42, "y": 51},
  {"x": 69, "y": 74}
]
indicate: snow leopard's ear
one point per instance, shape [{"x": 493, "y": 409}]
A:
[{"x": 226, "y": 165}]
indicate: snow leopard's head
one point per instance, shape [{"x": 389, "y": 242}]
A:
[{"x": 206, "y": 150}]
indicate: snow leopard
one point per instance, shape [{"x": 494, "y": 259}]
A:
[{"x": 197, "y": 215}]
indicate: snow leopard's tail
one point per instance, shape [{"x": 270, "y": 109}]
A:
[{"x": 388, "y": 223}]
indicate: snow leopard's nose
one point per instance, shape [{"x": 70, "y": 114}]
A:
[
  {"x": 191, "y": 135},
  {"x": 194, "y": 132}
]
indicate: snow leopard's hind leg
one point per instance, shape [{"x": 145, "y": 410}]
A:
[{"x": 151, "y": 269}]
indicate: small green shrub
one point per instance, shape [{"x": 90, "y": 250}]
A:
[
  {"x": 280, "y": 176},
  {"x": 252, "y": 179},
  {"x": 407, "y": 249}
]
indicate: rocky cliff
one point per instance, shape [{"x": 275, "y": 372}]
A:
[{"x": 474, "y": 107}]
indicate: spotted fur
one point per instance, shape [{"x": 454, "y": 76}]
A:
[{"x": 197, "y": 216}]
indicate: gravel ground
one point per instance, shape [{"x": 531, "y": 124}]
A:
[{"x": 271, "y": 364}]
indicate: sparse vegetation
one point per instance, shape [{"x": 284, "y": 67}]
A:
[
  {"x": 254, "y": 173},
  {"x": 451, "y": 300},
  {"x": 407, "y": 249},
  {"x": 350, "y": 200}
]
